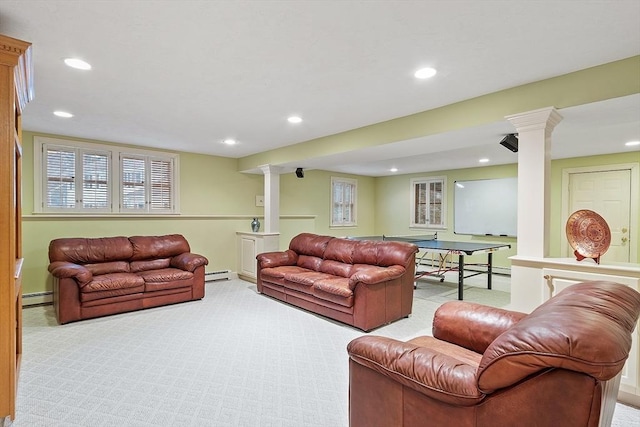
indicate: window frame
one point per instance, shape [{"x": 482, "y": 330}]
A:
[
  {"x": 429, "y": 201},
  {"x": 353, "y": 184},
  {"x": 115, "y": 183}
]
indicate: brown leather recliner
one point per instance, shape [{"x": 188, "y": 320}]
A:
[{"x": 558, "y": 366}]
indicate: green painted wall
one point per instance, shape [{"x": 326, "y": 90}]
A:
[
  {"x": 393, "y": 207},
  {"x": 216, "y": 201},
  {"x": 311, "y": 195},
  {"x": 392, "y": 204}
]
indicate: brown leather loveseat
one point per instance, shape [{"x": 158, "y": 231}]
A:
[
  {"x": 95, "y": 277},
  {"x": 558, "y": 366},
  {"x": 365, "y": 284}
]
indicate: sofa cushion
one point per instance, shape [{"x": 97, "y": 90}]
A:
[
  {"x": 150, "y": 264},
  {"x": 336, "y": 268},
  {"x": 151, "y": 247},
  {"x": 280, "y": 272},
  {"x": 309, "y": 262},
  {"x": 384, "y": 253},
  {"x": 166, "y": 278},
  {"x": 307, "y": 277},
  {"x": 113, "y": 284},
  {"x": 340, "y": 250},
  {"x": 165, "y": 275},
  {"x": 335, "y": 290},
  {"x": 90, "y": 251},
  {"x": 309, "y": 244},
  {"x": 108, "y": 267}
]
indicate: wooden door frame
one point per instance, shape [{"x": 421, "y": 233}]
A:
[{"x": 633, "y": 205}]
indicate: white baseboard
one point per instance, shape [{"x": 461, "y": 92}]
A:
[
  {"x": 213, "y": 276},
  {"x": 37, "y": 298}
]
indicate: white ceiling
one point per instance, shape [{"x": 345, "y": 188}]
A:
[{"x": 184, "y": 75}]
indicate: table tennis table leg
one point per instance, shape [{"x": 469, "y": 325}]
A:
[
  {"x": 489, "y": 272},
  {"x": 460, "y": 276}
]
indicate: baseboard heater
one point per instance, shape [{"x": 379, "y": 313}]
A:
[
  {"x": 212, "y": 276},
  {"x": 37, "y": 298}
]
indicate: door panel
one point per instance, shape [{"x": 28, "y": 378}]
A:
[{"x": 609, "y": 194}]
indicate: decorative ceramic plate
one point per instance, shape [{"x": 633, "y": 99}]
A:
[{"x": 588, "y": 234}]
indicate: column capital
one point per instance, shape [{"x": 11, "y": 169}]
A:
[
  {"x": 270, "y": 169},
  {"x": 544, "y": 118}
]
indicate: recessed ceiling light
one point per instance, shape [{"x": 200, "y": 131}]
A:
[
  {"x": 63, "y": 114},
  {"x": 425, "y": 73},
  {"x": 229, "y": 141},
  {"x": 393, "y": 170},
  {"x": 485, "y": 160},
  {"x": 77, "y": 63},
  {"x": 632, "y": 143},
  {"x": 294, "y": 119}
]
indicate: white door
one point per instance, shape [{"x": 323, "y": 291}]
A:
[{"x": 607, "y": 193}]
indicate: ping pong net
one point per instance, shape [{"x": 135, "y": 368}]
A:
[{"x": 412, "y": 238}]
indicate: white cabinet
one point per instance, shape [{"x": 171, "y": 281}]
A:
[{"x": 249, "y": 246}]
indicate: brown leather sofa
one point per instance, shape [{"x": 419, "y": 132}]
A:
[
  {"x": 491, "y": 367},
  {"x": 365, "y": 284},
  {"x": 101, "y": 276}
]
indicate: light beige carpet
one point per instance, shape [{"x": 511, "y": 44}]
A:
[{"x": 236, "y": 358}]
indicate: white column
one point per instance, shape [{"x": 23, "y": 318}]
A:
[
  {"x": 271, "y": 198},
  {"x": 534, "y": 168}
]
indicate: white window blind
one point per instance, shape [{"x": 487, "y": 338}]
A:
[
  {"x": 79, "y": 177},
  {"x": 95, "y": 183},
  {"x": 161, "y": 184},
  {"x": 76, "y": 179},
  {"x": 133, "y": 195},
  {"x": 147, "y": 184},
  {"x": 343, "y": 202},
  {"x": 60, "y": 178},
  {"x": 428, "y": 202}
]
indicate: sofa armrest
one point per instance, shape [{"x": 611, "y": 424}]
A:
[
  {"x": 188, "y": 261},
  {"x": 64, "y": 269},
  {"x": 472, "y": 326},
  {"x": 277, "y": 259},
  {"x": 371, "y": 274},
  {"x": 426, "y": 370}
]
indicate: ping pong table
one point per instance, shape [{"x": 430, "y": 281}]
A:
[{"x": 446, "y": 249}]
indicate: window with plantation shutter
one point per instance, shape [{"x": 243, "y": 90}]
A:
[
  {"x": 343, "y": 202},
  {"x": 60, "y": 178},
  {"x": 428, "y": 202},
  {"x": 147, "y": 184},
  {"x": 81, "y": 178},
  {"x": 76, "y": 179},
  {"x": 161, "y": 185},
  {"x": 133, "y": 195},
  {"x": 95, "y": 182}
]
